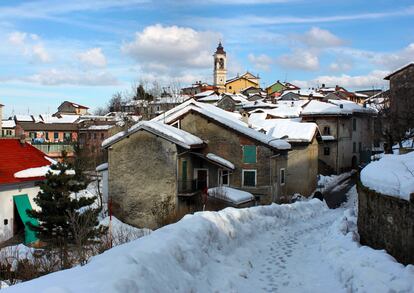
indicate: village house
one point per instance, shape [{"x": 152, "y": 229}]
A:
[
  {"x": 70, "y": 108},
  {"x": 192, "y": 147},
  {"x": 232, "y": 102},
  {"x": 242, "y": 82},
  {"x": 210, "y": 97},
  {"x": 198, "y": 88},
  {"x": 347, "y": 131},
  {"x": 278, "y": 87},
  {"x": 9, "y": 128},
  {"x": 21, "y": 166}
]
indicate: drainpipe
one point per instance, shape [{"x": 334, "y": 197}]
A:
[{"x": 270, "y": 162}]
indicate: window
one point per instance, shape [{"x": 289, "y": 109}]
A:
[
  {"x": 282, "y": 176},
  {"x": 354, "y": 147},
  {"x": 360, "y": 147},
  {"x": 249, "y": 178},
  {"x": 6, "y": 221},
  {"x": 56, "y": 135},
  {"x": 89, "y": 135},
  {"x": 47, "y": 135},
  {"x": 94, "y": 135},
  {"x": 102, "y": 136},
  {"x": 32, "y": 134},
  {"x": 223, "y": 177},
  {"x": 249, "y": 154},
  {"x": 229, "y": 87},
  {"x": 68, "y": 136},
  {"x": 326, "y": 130},
  {"x": 326, "y": 151},
  {"x": 354, "y": 122}
]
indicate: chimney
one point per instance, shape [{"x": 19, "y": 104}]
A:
[
  {"x": 292, "y": 103},
  {"x": 22, "y": 140},
  {"x": 323, "y": 85}
]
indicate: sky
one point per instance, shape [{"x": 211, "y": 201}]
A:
[{"x": 85, "y": 51}]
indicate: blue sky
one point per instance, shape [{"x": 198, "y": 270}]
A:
[{"x": 84, "y": 51}]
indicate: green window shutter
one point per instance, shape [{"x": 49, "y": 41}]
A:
[
  {"x": 249, "y": 154},
  {"x": 23, "y": 204},
  {"x": 184, "y": 171}
]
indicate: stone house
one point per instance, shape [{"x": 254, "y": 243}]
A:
[
  {"x": 232, "y": 102},
  {"x": 160, "y": 164},
  {"x": 347, "y": 131}
]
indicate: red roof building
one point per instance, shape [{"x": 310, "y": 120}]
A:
[{"x": 16, "y": 156}]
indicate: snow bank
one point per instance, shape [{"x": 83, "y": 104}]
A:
[
  {"x": 232, "y": 195},
  {"x": 174, "y": 258},
  {"x": 361, "y": 268},
  {"x": 391, "y": 175}
]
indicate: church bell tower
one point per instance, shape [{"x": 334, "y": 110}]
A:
[{"x": 220, "y": 68}]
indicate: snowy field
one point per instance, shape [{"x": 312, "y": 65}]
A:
[{"x": 300, "y": 247}]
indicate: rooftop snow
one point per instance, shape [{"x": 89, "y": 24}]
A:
[
  {"x": 204, "y": 94},
  {"x": 392, "y": 175},
  {"x": 220, "y": 160},
  {"x": 8, "y": 124},
  {"x": 102, "y": 167},
  {"x": 210, "y": 98},
  {"x": 168, "y": 132},
  {"x": 232, "y": 195}
]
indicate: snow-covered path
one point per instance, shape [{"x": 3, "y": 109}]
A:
[
  {"x": 300, "y": 247},
  {"x": 281, "y": 260}
]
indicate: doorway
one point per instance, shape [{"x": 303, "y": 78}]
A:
[{"x": 201, "y": 177}]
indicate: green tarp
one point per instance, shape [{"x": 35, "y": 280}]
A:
[{"x": 22, "y": 203}]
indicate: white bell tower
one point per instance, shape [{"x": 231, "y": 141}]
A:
[{"x": 220, "y": 68}]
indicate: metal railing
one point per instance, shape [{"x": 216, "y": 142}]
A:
[
  {"x": 48, "y": 148},
  {"x": 190, "y": 186}
]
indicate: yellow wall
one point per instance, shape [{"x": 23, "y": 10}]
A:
[{"x": 237, "y": 85}]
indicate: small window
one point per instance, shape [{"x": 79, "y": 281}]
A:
[
  {"x": 249, "y": 178},
  {"x": 326, "y": 130},
  {"x": 249, "y": 154},
  {"x": 360, "y": 147},
  {"x": 354, "y": 124},
  {"x": 326, "y": 151},
  {"x": 32, "y": 134},
  {"x": 6, "y": 221},
  {"x": 354, "y": 147},
  {"x": 68, "y": 136},
  {"x": 102, "y": 136},
  {"x": 282, "y": 176},
  {"x": 47, "y": 135},
  {"x": 56, "y": 135},
  {"x": 224, "y": 177},
  {"x": 229, "y": 87}
]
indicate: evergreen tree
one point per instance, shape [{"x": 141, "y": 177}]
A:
[{"x": 61, "y": 215}]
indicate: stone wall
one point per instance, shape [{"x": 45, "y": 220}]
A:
[
  {"x": 142, "y": 179},
  {"x": 386, "y": 222}
]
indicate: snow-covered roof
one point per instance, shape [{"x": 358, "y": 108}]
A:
[
  {"x": 391, "y": 175},
  {"x": 398, "y": 70},
  {"x": 204, "y": 94},
  {"x": 8, "y": 123},
  {"x": 304, "y": 93},
  {"x": 220, "y": 160},
  {"x": 225, "y": 118},
  {"x": 24, "y": 118},
  {"x": 229, "y": 194},
  {"x": 210, "y": 98},
  {"x": 175, "y": 135},
  {"x": 100, "y": 127},
  {"x": 258, "y": 104},
  {"x": 294, "y": 131},
  {"x": 327, "y": 137},
  {"x": 39, "y": 172},
  {"x": 334, "y": 107},
  {"x": 290, "y": 109},
  {"x": 62, "y": 118}
]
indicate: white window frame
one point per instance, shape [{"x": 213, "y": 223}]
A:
[
  {"x": 220, "y": 176},
  {"x": 255, "y": 177},
  {"x": 280, "y": 176},
  {"x": 176, "y": 123}
]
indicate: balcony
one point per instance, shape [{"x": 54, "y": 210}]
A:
[
  {"x": 190, "y": 187},
  {"x": 55, "y": 149}
]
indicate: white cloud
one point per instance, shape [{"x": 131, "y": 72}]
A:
[
  {"x": 320, "y": 38},
  {"x": 172, "y": 47},
  {"x": 29, "y": 45},
  {"x": 93, "y": 57},
  {"x": 53, "y": 77},
  {"x": 373, "y": 79},
  {"x": 260, "y": 62},
  {"x": 39, "y": 52},
  {"x": 17, "y": 38},
  {"x": 300, "y": 59}
]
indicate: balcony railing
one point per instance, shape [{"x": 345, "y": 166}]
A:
[
  {"x": 54, "y": 148},
  {"x": 190, "y": 186}
]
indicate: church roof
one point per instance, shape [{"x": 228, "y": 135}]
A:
[{"x": 220, "y": 49}]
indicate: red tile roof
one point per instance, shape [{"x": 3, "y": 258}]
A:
[{"x": 15, "y": 157}]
